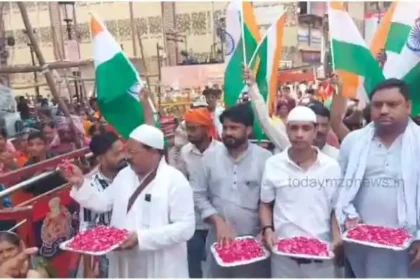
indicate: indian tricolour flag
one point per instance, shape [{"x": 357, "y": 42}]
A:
[
  {"x": 117, "y": 81},
  {"x": 241, "y": 32},
  {"x": 399, "y": 35},
  {"x": 269, "y": 52},
  {"x": 351, "y": 58}
]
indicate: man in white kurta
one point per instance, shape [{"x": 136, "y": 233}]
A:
[
  {"x": 302, "y": 183},
  {"x": 161, "y": 219},
  {"x": 381, "y": 183}
]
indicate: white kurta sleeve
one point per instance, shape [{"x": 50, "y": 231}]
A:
[
  {"x": 91, "y": 198},
  {"x": 343, "y": 208},
  {"x": 268, "y": 191},
  {"x": 181, "y": 225},
  {"x": 276, "y": 133},
  {"x": 343, "y": 155}
]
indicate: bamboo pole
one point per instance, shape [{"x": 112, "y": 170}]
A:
[
  {"x": 57, "y": 51},
  {"x": 133, "y": 28},
  {"x": 51, "y": 65},
  {"x": 143, "y": 60},
  {"x": 21, "y": 87},
  {"x": 12, "y": 69},
  {"x": 70, "y": 90},
  {"x": 47, "y": 73}
]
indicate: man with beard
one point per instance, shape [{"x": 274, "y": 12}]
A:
[
  {"x": 109, "y": 151},
  {"x": 381, "y": 182},
  {"x": 151, "y": 200},
  {"x": 226, "y": 191},
  {"x": 201, "y": 135},
  {"x": 298, "y": 194},
  {"x": 181, "y": 138}
]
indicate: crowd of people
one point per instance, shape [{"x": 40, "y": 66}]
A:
[
  {"x": 329, "y": 168},
  {"x": 46, "y": 134}
]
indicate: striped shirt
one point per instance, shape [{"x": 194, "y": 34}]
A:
[{"x": 89, "y": 218}]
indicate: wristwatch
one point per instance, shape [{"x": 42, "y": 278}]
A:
[{"x": 267, "y": 227}]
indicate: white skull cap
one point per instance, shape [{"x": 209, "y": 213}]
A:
[
  {"x": 301, "y": 114},
  {"x": 149, "y": 135}
]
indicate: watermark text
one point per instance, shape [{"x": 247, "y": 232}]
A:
[{"x": 345, "y": 183}]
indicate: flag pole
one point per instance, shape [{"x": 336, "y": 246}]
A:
[
  {"x": 330, "y": 45},
  {"x": 254, "y": 55},
  {"x": 243, "y": 33}
]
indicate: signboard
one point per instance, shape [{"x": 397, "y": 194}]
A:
[
  {"x": 316, "y": 38},
  {"x": 285, "y": 64},
  {"x": 303, "y": 35},
  {"x": 311, "y": 56},
  {"x": 193, "y": 76},
  {"x": 320, "y": 73}
]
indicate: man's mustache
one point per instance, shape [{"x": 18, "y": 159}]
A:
[{"x": 122, "y": 164}]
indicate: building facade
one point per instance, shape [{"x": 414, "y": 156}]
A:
[{"x": 193, "y": 24}]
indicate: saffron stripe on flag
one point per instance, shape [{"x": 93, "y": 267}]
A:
[
  {"x": 381, "y": 34},
  {"x": 268, "y": 53},
  {"x": 273, "y": 58}
]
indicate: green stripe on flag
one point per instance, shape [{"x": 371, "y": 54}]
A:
[
  {"x": 114, "y": 78},
  {"x": 413, "y": 82},
  {"x": 364, "y": 65},
  {"x": 233, "y": 81},
  {"x": 397, "y": 37},
  {"x": 261, "y": 80}
]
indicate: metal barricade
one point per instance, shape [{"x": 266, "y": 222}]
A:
[{"x": 45, "y": 220}]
